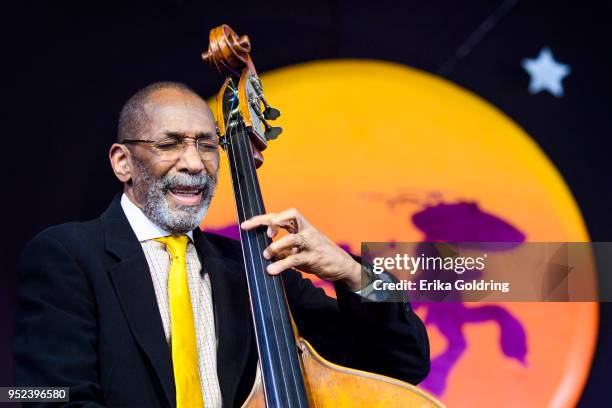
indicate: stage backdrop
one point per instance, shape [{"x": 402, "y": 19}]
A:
[{"x": 369, "y": 145}]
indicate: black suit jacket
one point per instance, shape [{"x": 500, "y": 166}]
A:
[{"x": 87, "y": 318}]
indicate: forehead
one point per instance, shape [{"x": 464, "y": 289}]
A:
[{"x": 180, "y": 112}]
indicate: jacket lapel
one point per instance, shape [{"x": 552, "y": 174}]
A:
[
  {"x": 232, "y": 314},
  {"x": 134, "y": 287}
]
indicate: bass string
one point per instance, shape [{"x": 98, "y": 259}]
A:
[
  {"x": 265, "y": 294},
  {"x": 271, "y": 284},
  {"x": 253, "y": 203},
  {"x": 247, "y": 245},
  {"x": 268, "y": 339},
  {"x": 277, "y": 290}
]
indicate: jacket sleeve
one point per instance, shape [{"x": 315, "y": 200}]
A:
[
  {"x": 386, "y": 338},
  {"x": 55, "y": 331}
]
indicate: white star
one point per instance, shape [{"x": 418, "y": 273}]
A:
[{"x": 546, "y": 73}]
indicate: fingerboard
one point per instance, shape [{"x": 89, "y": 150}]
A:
[{"x": 278, "y": 354}]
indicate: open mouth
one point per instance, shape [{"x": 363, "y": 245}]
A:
[{"x": 186, "y": 195}]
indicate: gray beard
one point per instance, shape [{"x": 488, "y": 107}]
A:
[{"x": 153, "y": 192}]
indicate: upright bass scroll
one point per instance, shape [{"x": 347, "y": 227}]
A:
[{"x": 228, "y": 52}]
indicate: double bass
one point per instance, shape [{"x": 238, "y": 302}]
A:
[{"x": 291, "y": 373}]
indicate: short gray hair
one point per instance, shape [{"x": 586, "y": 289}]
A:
[{"x": 133, "y": 117}]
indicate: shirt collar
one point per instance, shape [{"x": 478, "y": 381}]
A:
[{"x": 144, "y": 228}]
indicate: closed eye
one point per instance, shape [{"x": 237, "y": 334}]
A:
[
  {"x": 168, "y": 144},
  {"x": 207, "y": 145}
]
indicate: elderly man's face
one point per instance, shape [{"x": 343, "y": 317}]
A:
[{"x": 175, "y": 190}]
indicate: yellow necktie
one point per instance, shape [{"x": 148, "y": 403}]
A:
[{"x": 183, "y": 337}]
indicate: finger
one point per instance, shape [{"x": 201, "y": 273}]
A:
[
  {"x": 285, "y": 253},
  {"x": 272, "y": 231},
  {"x": 286, "y": 243},
  {"x": 263, "y": 220},
  {"x": 290, "y": 219},
  {"x": 292, "y": 261},
  {"x": 257, "y": 220}
]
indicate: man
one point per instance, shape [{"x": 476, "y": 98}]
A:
[{"x": 141, "y": 308}]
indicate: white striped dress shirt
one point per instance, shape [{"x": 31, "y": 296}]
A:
[{"x": 199, "y": 290}]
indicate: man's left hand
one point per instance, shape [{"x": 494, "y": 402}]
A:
[{"x": 305, "y": 249}]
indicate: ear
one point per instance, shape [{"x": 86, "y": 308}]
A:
[{"x": 119, "y": 158}]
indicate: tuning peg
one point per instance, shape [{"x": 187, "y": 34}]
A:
[
  {"x": 272, "y": 132},
  {"x": 256, "y": 84},
  {"x": 271, "y": 113}
]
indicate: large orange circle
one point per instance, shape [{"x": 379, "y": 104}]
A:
[{"x": 367, "y": 144}]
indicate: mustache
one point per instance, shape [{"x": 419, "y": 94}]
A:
[{"x": 198, "y": 181}]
